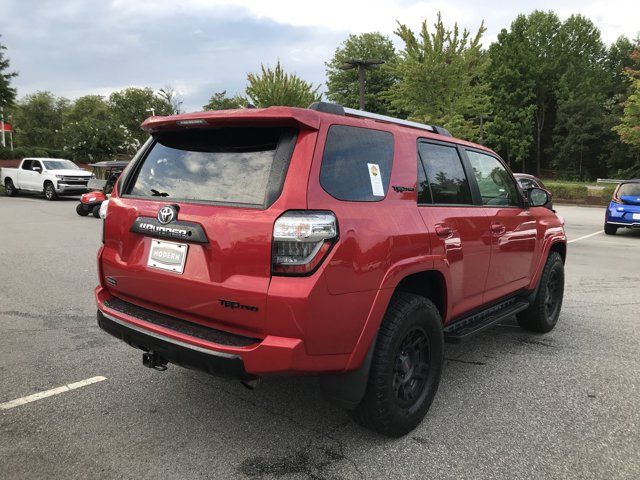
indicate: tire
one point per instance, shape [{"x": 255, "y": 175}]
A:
[
  {"x": 9, "y": 188},
  {"x": 50, "y": 191},
  {"x": 80, "y": 210},
  {"x": 610, "y": 229},
  {"x": 96, "y": 211},
  {"x": 403, "y": 379},
  {"x": 542, "y": 315}
]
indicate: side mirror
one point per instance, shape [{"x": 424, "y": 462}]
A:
[
  {"x": 538, "y": 197},
  {"x": 36, "y": 169}
]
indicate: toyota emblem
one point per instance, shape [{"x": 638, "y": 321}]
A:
[{"x": 167, "y": 214}]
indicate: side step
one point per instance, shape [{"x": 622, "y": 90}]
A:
[{"x": 468, "y": 326}]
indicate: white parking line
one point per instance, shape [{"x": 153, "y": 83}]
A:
[
  {"x": 584, "y": 236},
  {"x": 48, "y": 393}
]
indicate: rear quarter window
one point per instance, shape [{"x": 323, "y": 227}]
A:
[{"x": 356, "y": 164}]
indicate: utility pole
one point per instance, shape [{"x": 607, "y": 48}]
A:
[{"x": 361, "y": 65}]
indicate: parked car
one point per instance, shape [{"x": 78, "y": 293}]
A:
[
  {"x": 105, "y": 175},
  {"x": 527, "y": 181},
  {"x": 328, "y": 241},
  {"x": 624, "y": 209},
  {"x": 51, "y": 176}
]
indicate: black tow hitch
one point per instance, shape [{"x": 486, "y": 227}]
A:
[{"x": 153, "y": 360}]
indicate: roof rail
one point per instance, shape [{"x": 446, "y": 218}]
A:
[
  {"x": 337, "y": 109},
  {"x": 384, "y": 118}
]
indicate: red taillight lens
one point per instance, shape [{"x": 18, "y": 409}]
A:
[{"x": 301, "y": 240}]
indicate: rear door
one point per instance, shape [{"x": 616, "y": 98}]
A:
[
  {"x": 190, "y": 231},
  {"x": 459, "y": 229},
  {"x": 26, "y": 176},
  {"x": 513, "y": 228}
]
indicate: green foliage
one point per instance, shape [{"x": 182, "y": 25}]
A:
[
  {"x": 91, "y": 140},
  {"x": 342, "y": 85},
  {"x": 607, "y": 192},
  {"x": 220, "y": 101},
  {"x": 580, "y": 93},
  {"x": 629, "y": 127},
  {"x": 38, "y": 119},
  {"x": 524, "y": 70},
  {"x": 567, "y": 191},
  {"x": 92, "y": 132},
  {"x": 132, "y": 106},
  {"x": 275, "y": 87},
  {"x": 439, "y": 77},
  {"x": 7, "y": 92}
]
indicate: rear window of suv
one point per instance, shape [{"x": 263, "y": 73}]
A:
[
  {"x": 234, "y": 165},
  {"x": 356, "y": 164}
]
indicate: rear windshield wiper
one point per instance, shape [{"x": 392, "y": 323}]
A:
[{"x": 156, "y": 193}]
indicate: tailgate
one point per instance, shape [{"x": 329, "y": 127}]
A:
[{"x": 205, "y": 202}]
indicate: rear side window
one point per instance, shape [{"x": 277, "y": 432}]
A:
[
  {"x": 446, "y": 179},
  {"x": 243, "y": 166},
  {"x": 27, "y": 164},
  {"x": 356, "y": 164}
]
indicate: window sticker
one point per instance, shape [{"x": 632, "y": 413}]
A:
[{"x": 376, "y": 179}]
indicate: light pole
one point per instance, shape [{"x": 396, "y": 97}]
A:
[
  {"x": 361, "y": 65},
  {"x": 152, "y": 110}
]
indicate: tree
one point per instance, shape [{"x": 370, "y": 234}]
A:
[
  {"x": 439, "y": 77},
  {"x": 132, "y": 106},
  {"x": 172, "y": 97},
  {"x": 91, "y": 131},
  {"x": 580, "y": 93},
  {"x": 629, "y": 127},
  {"x": 89, "y": 140},
  {"x": 275, "y": 87},
  {"x": 342, "y": 85},
  {"x": 220, "y": 101},
  {"x": 38, "y": 119},
  {"x": 523, "y": 73},
  {"x": 92, "y": 107},
  {"x": 7, "y": 92}
]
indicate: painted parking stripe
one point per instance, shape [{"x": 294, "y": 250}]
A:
[
  {"x": 585, "y": 236},
  {"x": 49, "y": 393}
]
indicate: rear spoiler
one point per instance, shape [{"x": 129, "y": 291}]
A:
[{"x": 280, "y": 116}]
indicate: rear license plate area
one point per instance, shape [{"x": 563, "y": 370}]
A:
[{"x": 169, "y": 256}]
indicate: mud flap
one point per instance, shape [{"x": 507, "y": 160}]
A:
[{"x": 348, "y": 389}]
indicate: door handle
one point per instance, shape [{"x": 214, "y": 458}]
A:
[
  {"x": 443, "y": 231},
  {"x": 498, "y": 228}
]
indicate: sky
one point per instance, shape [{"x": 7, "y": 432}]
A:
[{"x": 199, "y": 47}]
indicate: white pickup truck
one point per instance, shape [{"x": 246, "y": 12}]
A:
[{"x": 51, "y": 176}]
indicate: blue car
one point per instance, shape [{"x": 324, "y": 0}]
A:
[{"x": 624, "y": 208}]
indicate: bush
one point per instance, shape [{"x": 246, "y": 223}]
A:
[
  {"x": 607, "y": 193},
  {"x": 39, "y": 152},
  {"x": 567, "y": 191},
  {"x": 6, "y": 154}
]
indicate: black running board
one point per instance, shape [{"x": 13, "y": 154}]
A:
[{"x": 468, "y": 326}]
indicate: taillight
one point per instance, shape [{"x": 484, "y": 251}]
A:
[{"x": 301, "y": 240}]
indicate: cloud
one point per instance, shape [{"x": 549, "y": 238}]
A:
[{"x": 76, "y": 47}]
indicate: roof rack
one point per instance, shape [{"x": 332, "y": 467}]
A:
[
  {"x": 336, "y": 109},
  {"x": 352, "y": 112}
]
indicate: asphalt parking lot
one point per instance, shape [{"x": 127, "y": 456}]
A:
[{"x": 511, "y": 404}]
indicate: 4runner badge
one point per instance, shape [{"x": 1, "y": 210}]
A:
[{"x": 167, "y": 214}]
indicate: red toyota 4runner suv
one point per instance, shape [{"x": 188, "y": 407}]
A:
[{"x": 323, "y": 241}]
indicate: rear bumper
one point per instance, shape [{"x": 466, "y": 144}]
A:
[
  {"x": 189, "y": 356},
  {"x": 267, "y": 356},
  {"x": 621, "y": 215}
]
